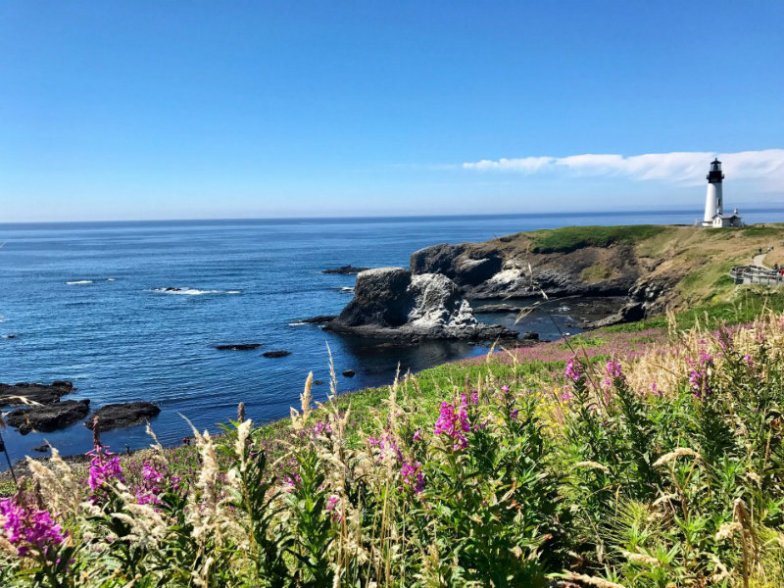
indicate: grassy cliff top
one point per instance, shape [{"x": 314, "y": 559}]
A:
[{"x": 694, "y": 261}]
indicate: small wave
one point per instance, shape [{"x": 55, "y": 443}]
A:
[
  {"x": 79, "y": 282},
  {"x": 192, "y": 291},
  {"x": 110, "y": 279},
  {"x": 347, "y": 290},
  {"x": 298, "y": 324}
]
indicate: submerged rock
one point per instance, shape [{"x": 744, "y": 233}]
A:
[
  {"x": 114, "y": 416},
  {"x": 344, "y": 270},
  {"x": 25, "y": 392},
  {"x": 238, "y": 346},
  {"x": 48, "y": 418},
  {"x": 392, "y": 304},
  {"x": 320, "y": 319},
  {"x": 281, "y": 353},
  {"x": 349, "y": 373}
]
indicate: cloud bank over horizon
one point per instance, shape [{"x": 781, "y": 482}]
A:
[{"x": 763, "y": 167}]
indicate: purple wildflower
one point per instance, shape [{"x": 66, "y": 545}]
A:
[
  {"x": 417, "y": 436},
  {"x": 413, "y": 477},
  {"x": 28, "y": 529},
  {"x": 293, "y": 481},
  {"x": 698, "y": 375},
  {"x": 387, "y": 446},
  {"x": 748, "y": 360},
  {"x": 574, "y": 370},
  {"x": 104, "y": 467},
  {"x": 453, "y": 423},
  {"x": 152, "y": 485}
]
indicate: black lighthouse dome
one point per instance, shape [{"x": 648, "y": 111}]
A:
[{"x": 715, "y": 175}]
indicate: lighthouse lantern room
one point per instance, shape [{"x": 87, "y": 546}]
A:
[{"x": 714, "y": 201}]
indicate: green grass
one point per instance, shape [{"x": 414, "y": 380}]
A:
[
  {"x": 748, "y": 304},
  {"x": 569, "y": 239},
  {"x": 762, "y": 231}
]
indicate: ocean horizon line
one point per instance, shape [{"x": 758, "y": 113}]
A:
[{"x": 365, "y": 218}]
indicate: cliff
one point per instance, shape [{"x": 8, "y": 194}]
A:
[{"x": 654, "y": 266}]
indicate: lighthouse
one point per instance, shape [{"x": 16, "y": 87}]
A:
[{"x": 714, "y": 201}]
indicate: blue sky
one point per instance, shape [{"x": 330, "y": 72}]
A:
[{"x": 148, "y": 109}]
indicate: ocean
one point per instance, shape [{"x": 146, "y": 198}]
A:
[{"x": 87, "y": 302}]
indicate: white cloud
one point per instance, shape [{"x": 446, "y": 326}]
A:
[{"x": 688, "y": 167}]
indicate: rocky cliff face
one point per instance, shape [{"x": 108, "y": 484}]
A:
[{"x": 390, "y": 303}]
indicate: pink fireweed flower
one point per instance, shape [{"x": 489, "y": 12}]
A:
[
  {"x": 453, "y": 423},
  {"x": 104, "y": 467},
  {"x": 152, "y": 486},
  {"x": 699, "y": 375},
  {"x": 574, "y": 370},
  {"x": 417, "y": 436},
  {"x": 614, "y": 373},
  {"x": 413, "y": 477},
  {"x": 333, "y": 506},
  {"x": 292, "y": 481},
  {"x": 387, "y": 446},
  {"x": 29, "y": 529},
  {"x": 566, "y": 395},
  {"x": 748, "y": 360},
  {"x": 505, "y": 389}
]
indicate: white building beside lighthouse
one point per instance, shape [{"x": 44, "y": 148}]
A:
[{"x": 714, "y": 201}]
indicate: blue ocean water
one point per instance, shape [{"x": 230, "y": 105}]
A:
[{"x": 84, "y": 303}]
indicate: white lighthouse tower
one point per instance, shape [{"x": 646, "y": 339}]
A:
[{"x": 714, "y": 201}]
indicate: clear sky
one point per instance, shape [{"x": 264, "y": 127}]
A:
[{"x": 191, "y": 109}]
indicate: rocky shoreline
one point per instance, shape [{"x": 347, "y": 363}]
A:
[
  {"x": 432, "y": 298},
  {"x": 41, "y": 409}
]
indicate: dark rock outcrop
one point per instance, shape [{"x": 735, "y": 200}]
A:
[
  {"x": 632, "y": 311},
  {"x": 392, "y": 304},
  {"x": 272, "y": 354},
  {"x": 349, "y": 373},
  {"x": 456, "y": 263},
  {"x": 320, "y": 319},
  {"x": 344, "y": 270},
  {"x": 114, "y": 416},
  {"x": 48, "y": 418},
  {"x": 381, "y": 297},
  {"x": 24, "y": 392},
  {"x": 496, "y": 308},
  {"x": 238, "y": 346}
]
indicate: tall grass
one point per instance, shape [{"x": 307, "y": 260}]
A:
[{"x": 655, "y": 470}]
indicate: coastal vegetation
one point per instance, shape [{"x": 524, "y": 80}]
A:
[
  {"x": 647, "y": 454},
  {"x": 568, "y": 239},
  {"x": 630, "y": 458}
]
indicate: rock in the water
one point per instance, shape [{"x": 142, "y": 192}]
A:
[
  {"x": 381, "y": 297},
  {"x": 42, "y": 448},
  {"x": 633, "y": 311},
  {"x": 496, "y": 308},
  {"x": 349, "y": 373},
  {"x": 344, "y": 270},
  {"x": 320, "y": 319},
  {"x": 391, "y": 304},
  {"x": 238, "y": 346},
  {"x": 113, "y": 416},
  {"x": 281, "y": 353},
  {"x": 24, "y": 392},
  {"x": 48, "y": 418},
  {"x": 530, "y": 336}
]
